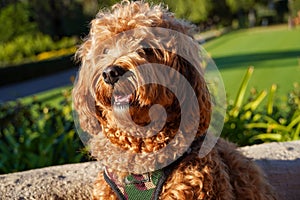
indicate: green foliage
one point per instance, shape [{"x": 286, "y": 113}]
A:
[
  {"x": 264, "y": 12},
  {"x": 27, "y": 29},
  {"x": 247, "y": 123},
  {"x": 15, "y": 20},
  {"x": 26, "y": 47},
  {"x": 294, "y": 7},
  {"x": 236, "y": 5},
  {"x": 37, "y": 135},
  {"x": 62, "y": 18},
  {"x": 196, "y": 11}
]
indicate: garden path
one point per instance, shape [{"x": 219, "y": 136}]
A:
[{"x": 33, "y": 86}]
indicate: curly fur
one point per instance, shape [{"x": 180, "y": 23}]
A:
[{"x": 222, "y": 174}]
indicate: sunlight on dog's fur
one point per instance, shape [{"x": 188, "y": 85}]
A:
[{"x": 108, "y": 84}]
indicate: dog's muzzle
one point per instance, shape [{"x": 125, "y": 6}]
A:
[{"x": 112, "y": 74}]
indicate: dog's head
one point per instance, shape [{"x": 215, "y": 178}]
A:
[{"x": 140, "y": 71}]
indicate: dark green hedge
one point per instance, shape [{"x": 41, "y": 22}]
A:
[
  {"x": 37, "y": 135},
  {"x": 27, "y": 71}
]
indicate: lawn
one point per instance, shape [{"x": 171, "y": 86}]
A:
[
  {"x": 273, "y": 51},
  {"x": 50, "y": 97}
]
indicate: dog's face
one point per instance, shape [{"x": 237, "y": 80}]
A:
[{"x": 134, "y": 80}]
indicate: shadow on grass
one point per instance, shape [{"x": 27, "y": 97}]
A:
[{"x": 251, "y": 59}]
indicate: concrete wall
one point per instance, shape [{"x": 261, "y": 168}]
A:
[{"x": 280, "y": 162}]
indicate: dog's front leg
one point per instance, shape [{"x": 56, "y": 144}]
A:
[{"x": 101, "y": 190}]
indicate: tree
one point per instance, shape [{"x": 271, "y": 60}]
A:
[
  {"x": 59, "y": 18},
  {"x": 237, "y": 5},
  {"x": 281, "y": 7},
  {"x": 195, "y": 11},
  {"x": 221, "y": 13},
  {"x": 15, "y": 19},
  {"x": 240, "y": 8},
  {"x": 294, "y": 7}
]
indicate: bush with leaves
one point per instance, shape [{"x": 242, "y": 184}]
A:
[
  {"x": 252, "y": 122},
  {"x": 294, "y": 6},
  {"x": 21, "y": 37},
  {"x": 37, "y": 135},
  {"x": 25, "y": 48},
  {"x": 15, "y": 20}
]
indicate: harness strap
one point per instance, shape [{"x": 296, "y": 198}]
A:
[
  {"x": 135, "y": 187},
  {"x": 114, "y": 186},
  {"x": 146, "y": 186}
]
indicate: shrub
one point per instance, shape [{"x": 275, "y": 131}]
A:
[
  {"x": 251, "y": 122},
  {"x": 15, "y": 20},
  {"x": 37, "y": 135},
  {"x": 25, "y": 48},
  {"x": 21, "y": 38},
  {"x": 294, "y": 6}
]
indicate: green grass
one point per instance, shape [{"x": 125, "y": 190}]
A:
[
  {"x": 273, "y": 51},
  {"x": 51, "y": 97}
]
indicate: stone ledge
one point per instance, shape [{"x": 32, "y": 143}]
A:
[{"x": 280, "y": 162}]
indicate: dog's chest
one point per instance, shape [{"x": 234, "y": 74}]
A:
[{"x": 146, "y": 186}]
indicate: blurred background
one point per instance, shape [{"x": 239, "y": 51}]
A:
[{"x": 255, "y": 44}]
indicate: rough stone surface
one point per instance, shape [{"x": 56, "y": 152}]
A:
[
  {"x": 280, "y": 162},
  {"x": 73, "y": 181}
]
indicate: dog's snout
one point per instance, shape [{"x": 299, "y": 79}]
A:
[{"x": 112, "y": 74}]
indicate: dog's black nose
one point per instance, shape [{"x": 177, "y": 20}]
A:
[{"x": 112, "y": 74}]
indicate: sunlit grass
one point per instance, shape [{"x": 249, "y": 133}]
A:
[
  {"x": 50, "y": 97},
  {"x": 273, "y": 51}
]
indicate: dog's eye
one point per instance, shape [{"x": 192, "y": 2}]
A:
[
  {"x": 145, "y": 51},
  {"x": 105, "y": 51},
  {"x": 148, "y": 51},
  {"x": 140, "y": 52}
]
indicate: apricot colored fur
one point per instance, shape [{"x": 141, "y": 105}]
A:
[{"x": 222, "y": 174}]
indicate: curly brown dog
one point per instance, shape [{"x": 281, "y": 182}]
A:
[{"x": 116, "y": 86}]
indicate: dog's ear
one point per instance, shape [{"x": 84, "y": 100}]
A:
[
  {"x": 83, "y": 97},
  {"x": 83, "y": 102},
  {"x": 195, "y": 76},
  {"x": 84, "y": 108}
]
